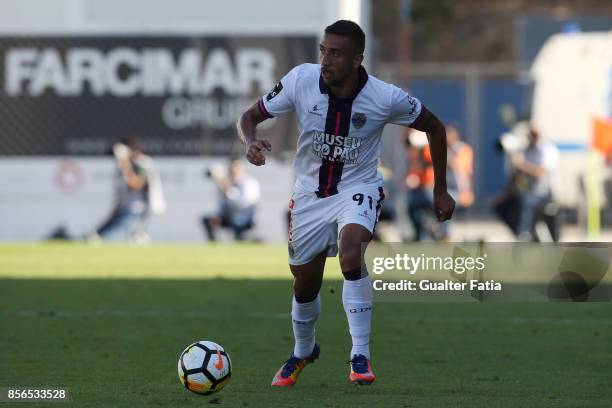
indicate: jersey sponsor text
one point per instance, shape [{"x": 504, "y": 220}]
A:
[{"x": 337, "y": 148}]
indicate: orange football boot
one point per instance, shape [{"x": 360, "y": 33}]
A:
[
  {"x": 361, "y": 370},
  {"x": 288, "y": 374}
]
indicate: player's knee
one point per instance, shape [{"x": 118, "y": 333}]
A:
[
  {"x": 350, "y": 257},
  {"x": 354, "y": 274},
  {"x": 351, "y": 261},
  {"x": 305, "y": 290},
  {"x": 305, "y": 294},
  {"x": 306, "y": 299}
]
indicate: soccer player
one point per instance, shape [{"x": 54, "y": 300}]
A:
[{"x": 341, "y": 112}]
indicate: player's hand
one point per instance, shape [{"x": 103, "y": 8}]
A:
[
  {"x": 254, "y": 151},
  {"x": 443, "y": 206}
]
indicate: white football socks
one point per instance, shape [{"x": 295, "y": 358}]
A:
[
  {"x": 357, "y": 301},
  {"x": 304, "y": 316}
]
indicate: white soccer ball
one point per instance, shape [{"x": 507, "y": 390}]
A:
[{"x": 204, "y": 367}]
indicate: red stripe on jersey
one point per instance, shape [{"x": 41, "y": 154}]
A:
[
  {"x": 291, "y": 205},
  {"x": 338, "y": 116},
  {"x": 330, "y": 174}
]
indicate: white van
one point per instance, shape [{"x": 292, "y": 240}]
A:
[
  {"x": 572, "y": 77},
  {"x": 572, "y": 87}
]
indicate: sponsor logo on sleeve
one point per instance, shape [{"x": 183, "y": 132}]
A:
[
  {"x": 277, "y": 89},
  {"x": 413, "y": 104}
]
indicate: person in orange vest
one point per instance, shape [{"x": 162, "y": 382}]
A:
[
  {"x": 460, "y": 168},
  {"x": 420, "y": 181}
]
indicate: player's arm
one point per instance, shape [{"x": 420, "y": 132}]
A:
[
  {"x": 436, "y": 135},
  {"x": 408, "y": 111},
  {"x": 246, "y": 127},
  {"x": 277, "y": 102},
  {"x": 427, "y": 122}
]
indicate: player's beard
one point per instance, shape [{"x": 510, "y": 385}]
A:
[
  {"x": 334, "y": 79},
  {"x": 328, "y": 77}
]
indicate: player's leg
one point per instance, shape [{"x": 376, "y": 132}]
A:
[
  {"x": 357, "y": 287},
  {"x": 357, "y": 300},
  {"x": 305, "y": 309},
  {"x": 306, "y": 304},
  {"x": 312, "y": 237},
  {"x": 360, "y": 210}
]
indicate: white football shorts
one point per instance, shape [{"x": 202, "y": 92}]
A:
[{"x": 315, "y": 222}]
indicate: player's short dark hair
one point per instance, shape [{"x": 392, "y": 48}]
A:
[{"x": 350, "y": 29}]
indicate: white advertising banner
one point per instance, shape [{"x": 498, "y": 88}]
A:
[{"x": 39, "y": 195}]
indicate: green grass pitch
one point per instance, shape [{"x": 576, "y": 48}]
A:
[{"x": 109, "y": 322}]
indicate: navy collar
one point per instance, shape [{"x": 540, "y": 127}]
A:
[{"x": 363, "y": 79}]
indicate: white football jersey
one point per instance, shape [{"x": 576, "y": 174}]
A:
[{"x": 340, "y": 139}]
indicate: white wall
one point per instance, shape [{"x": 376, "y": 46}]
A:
[{"x": 40, "y": 194}]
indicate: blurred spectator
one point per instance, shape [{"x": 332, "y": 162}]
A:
[
  {"x": 460, "y": 168},
  {"x": 530, "y": 189},
  {"x": 420, "y": 183},
  {"x": 239, "y": 195},
  {"x": 138, "y": 194}
]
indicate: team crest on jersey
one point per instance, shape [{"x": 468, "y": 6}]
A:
[
  {"x": 359, "y": 119},
  {"x": 277, "y": 88}
]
